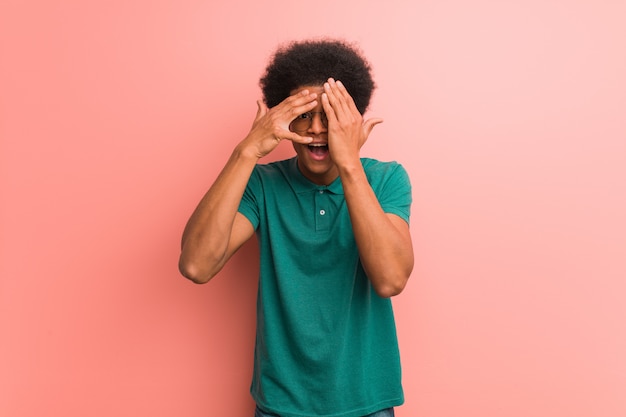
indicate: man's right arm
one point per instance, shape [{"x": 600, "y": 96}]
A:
[{"x": 215, "y": 230}]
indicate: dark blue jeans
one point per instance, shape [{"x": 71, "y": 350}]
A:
[{"x": 382, "y": 413}]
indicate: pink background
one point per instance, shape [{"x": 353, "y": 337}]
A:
[{"x": 117, "y": 115}]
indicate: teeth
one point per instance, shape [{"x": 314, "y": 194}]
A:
[{"x": 317, "y": 145}]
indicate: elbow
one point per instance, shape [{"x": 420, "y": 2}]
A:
[
  {"x": 389, "y": 290},
  {"x": 391, "y": 287},
  {"x": 391, "y": 281},
  {"x": 199, "y": 268},
  {"x": 193, "y": 272}
]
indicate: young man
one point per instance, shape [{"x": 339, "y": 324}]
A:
[{"x": 333, "y": 236}]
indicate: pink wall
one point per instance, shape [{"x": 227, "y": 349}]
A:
[{"x": 116, "y": 116}]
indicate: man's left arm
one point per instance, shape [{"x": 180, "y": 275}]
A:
[{"x": 383, "y": 239}]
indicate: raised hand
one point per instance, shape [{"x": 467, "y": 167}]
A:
[
  {"x": 347, "y": 132},
  {"x": 270, "y": 126}
]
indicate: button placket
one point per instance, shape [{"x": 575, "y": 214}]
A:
[{"x": 322, "y": 218}]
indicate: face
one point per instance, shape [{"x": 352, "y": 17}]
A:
[{"x": 314, "y": 159}]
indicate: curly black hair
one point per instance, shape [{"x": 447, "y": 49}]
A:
[{"x": 311, "y": 63}]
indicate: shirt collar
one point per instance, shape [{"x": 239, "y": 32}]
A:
[{"x": 301, "y": 184}]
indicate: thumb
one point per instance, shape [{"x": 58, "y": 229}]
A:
[
  {"x": 294, "y": 137},
  {"x": 369, "y": 124},
  {"x": 261, "y": 109}
]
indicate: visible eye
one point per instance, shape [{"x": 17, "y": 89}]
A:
[{"x": 305, "y": 116}]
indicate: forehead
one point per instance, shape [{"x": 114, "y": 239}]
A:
[{"x": 312, "y": 89}]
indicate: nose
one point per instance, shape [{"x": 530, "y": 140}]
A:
[{"x": 316, "y": 124}]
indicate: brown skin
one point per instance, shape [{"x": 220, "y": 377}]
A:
[{"x": 216, "y": 230}]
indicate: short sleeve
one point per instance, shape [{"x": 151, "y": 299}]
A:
[
  {"x": 395, "y": 195},
  {"x": 249, "y": 205}
]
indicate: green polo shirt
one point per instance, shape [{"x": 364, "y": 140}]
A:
[{"x": 326, "y": 343}]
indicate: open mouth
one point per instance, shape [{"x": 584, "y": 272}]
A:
[{"x": 319, "y": 150}]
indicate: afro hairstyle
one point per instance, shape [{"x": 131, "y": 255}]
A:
[{"x": 312, "y": 63}]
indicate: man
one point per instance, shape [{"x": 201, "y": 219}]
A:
[{"x": 333, "y": 237}]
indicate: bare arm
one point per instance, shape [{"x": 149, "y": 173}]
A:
[
  {"x": 383, "y": 240},
  {"x": 215, "y": 230}
]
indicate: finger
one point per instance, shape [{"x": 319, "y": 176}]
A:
[
  {"x": 286, "y": 116},
  {"x": 369, "y": 125},
  {"x": 348, "y": 100},
  {"x": 328, "y": 109},
  {"x": 297, "y": 104},
  {"x": 332, "y": 97},
  {"x": 298, "y": 99},
  {"x": 261, "y": 109},
  {"x": 339, "y": 98},
  {"x": 296, "y": 111},
  {"x": 291, "y": 98},
  {"x": 294, "y": 137}
]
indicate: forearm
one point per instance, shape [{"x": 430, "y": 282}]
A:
[
  {"x": 384, "y": 243},
  {"x": 207, "y": 234}
]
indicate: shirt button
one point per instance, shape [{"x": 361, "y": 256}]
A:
[
  {"x": 322, "y": 212},
  {"x": 321, "y": 191}
]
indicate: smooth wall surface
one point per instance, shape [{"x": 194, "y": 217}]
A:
[{"x": 116, "y": 116}]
